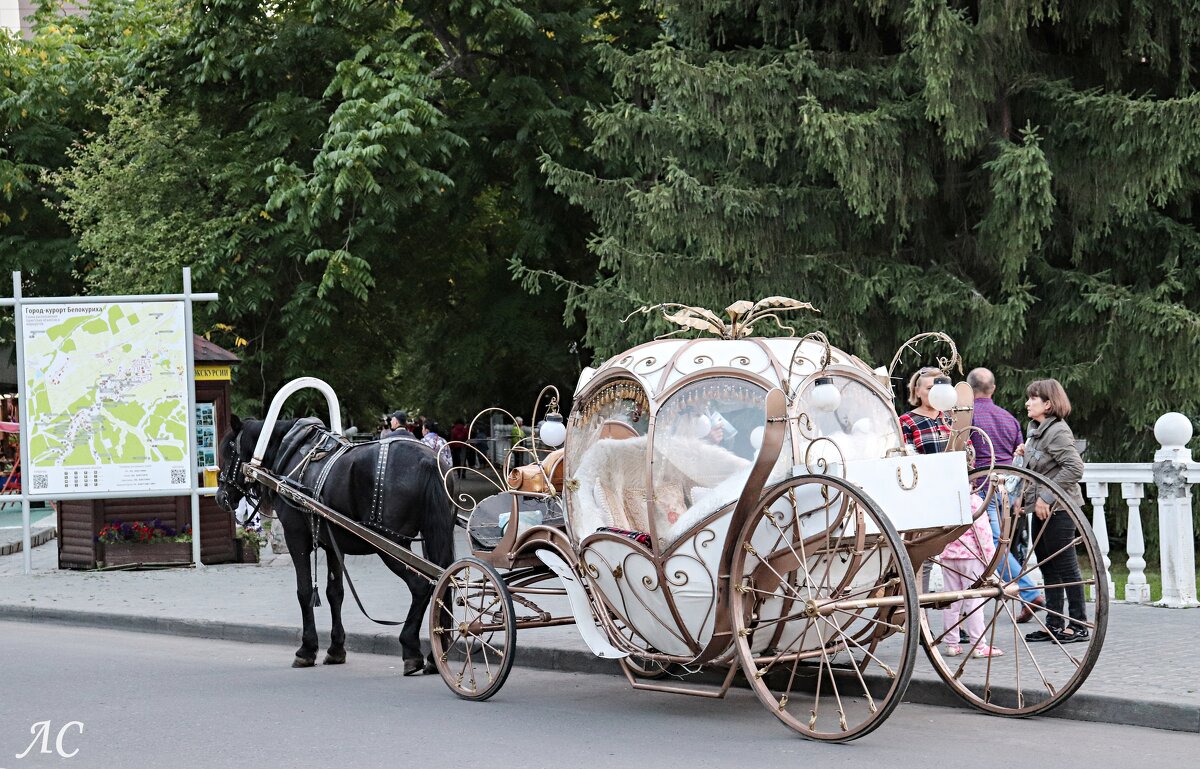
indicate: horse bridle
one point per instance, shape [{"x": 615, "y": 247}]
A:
[{"x": 234, "y": 478}]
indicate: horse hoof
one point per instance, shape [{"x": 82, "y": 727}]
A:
[
  {"x": 303, "y": 662},
  {"x": 429, "y": 668},
  {"x": 412, "y": 667},
  {"x": 334, "y": 659}
]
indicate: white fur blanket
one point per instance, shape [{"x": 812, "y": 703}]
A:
[
  {"x": 612, "y": 487},
  {"x": 612, "y": 484}
]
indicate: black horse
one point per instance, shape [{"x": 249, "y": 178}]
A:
[{"x": 392, "y": 486}]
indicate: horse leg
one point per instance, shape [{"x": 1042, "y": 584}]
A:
[
  {"x": 410, "y": 633},
  {"x": 299, "y": 544},
  {"x": 334, "y": 592}
]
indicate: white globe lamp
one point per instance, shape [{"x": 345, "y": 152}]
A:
[
  {"x": 942, "y": 395},
  {"x": 826, "y": 396},
  {"x": 553, "y": 431}
]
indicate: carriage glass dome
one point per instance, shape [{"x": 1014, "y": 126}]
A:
[
  {"x": 606, "y": 460},
  {"x": 863, "y": 426},
  {"x": 706, "y": 438}
]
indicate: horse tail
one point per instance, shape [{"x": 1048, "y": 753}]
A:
[{"x": 437, "y": 518}]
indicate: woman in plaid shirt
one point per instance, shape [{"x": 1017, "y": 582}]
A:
[{"x": 924, "y": 427}]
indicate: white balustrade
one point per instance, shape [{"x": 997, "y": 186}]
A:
[
  {"x": 1172, "y": 472},
  {"x": 1137, "y": 589},
  {"x": 1098, "y": 493}
]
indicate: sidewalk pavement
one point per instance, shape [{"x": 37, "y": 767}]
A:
[{"x": 1148, "y": 673}]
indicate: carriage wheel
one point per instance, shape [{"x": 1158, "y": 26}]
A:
[
  {"x": 1031, "y": 677},
  {"x": 822, "y": 595},
  {"x": 472, "y": 629}
]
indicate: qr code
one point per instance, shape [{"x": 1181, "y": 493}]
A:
[
  {"x": 41, "y": 481},
  {"x": 178, "y": 476}
]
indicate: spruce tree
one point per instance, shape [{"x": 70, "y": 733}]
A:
[{"x": 1020, "y": 174}]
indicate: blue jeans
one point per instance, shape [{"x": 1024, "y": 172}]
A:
[{"x": 1009, "y": 566}]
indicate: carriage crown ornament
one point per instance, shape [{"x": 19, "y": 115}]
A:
[{"x": 743, "y": 314}]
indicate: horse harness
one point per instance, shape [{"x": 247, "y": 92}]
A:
[{"x": 328, "y": 448}]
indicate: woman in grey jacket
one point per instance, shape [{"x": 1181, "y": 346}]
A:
[{"x": 1049, "y": 449}]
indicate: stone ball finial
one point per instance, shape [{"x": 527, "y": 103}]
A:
[{"x": 1173, "y": 430}]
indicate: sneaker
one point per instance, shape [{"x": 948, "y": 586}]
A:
[
  {"x": 988, "y": 651},
  {"x": 1039, "y": 635},
  {"x": 1072, "y": 635},
  {"x": 953, "y": 650}
]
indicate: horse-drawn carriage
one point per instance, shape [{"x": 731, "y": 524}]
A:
[{"x": 740, "y": 503}]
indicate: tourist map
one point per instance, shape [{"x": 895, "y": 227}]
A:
[{"x": 106, "y": 387}]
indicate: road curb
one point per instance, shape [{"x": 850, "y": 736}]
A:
[
  {"x": 1100, "y": 708},
  {"x": 36, "y": 538}
]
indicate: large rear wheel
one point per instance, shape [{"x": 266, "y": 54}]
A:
[
  {"x": 472, "y": 629},
  {"x": 1039, "y": 666},
  {"x": 822, "y": 594}
]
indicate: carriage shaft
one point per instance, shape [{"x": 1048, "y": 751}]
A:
[{"x": 429, "y": 571}]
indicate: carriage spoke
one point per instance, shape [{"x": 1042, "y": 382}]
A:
[
  {"x": 1067, "y": 617},
  {"x": 1033, "y": 657},
  {"x": 781, "y": 653},
  {"x": 1084, "y": 582},
  {"x": 889, "y": 625},
  {"x": 968, "y": 656},
  {"x": 867, "y": 655},
  {"x": 944, "y": 567},
  {"x": 1070, "y": 545},
  {"x": 957, "y": 625}
]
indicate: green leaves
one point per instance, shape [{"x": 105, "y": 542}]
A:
[
  {"x": 870, "y": 158},
  {"x": 1022, "y": 204}
]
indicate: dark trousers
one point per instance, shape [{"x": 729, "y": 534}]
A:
[{"x": 1059, "y": 568}]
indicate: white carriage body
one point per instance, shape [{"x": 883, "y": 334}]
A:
[{"x": 644, "y": 457}]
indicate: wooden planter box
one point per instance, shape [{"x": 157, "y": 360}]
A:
[
  {"x": 158, "y": 553},
  {"x": 79, "y": 521},
  {"x": 243, "y": 553}
]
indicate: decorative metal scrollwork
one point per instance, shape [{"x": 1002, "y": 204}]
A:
[{"x": 945, "y": 364}]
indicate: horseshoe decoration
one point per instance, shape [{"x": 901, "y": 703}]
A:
[{"x": 900, "y": 478}]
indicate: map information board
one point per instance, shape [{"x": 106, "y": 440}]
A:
[{"x": 106, "y": 386}]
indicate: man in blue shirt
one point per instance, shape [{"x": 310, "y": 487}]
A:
[{"x": 1005, "y": 433}]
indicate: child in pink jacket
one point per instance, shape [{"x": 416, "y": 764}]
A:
[{"x": 963, "y": 561}]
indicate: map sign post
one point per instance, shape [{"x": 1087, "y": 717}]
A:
[{"x": 106, "y": 397}]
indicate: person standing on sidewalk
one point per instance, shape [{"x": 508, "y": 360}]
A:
[
  {"x": 459, "y": 435},
  {"x": 1050, "y": 450},
  {"x": 397, "y": 426},
  {"x": 1004, "y": 432},
  {"x": 435, "y": 441}
]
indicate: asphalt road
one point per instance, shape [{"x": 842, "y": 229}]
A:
[{"x": 168, "y": 702}]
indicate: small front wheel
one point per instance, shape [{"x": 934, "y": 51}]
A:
[{"x": 472, "y": 629}]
